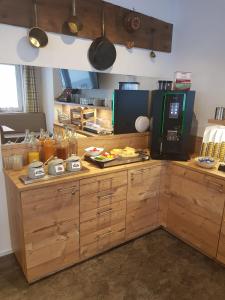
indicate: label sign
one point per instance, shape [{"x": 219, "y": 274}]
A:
[
  {"x": 39, "y": 172},
  {"x": 75, "y": 165},
  {"x": 59, "y": 169}
]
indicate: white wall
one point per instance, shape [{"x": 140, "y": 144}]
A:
[{"x": 199, "y": 44}]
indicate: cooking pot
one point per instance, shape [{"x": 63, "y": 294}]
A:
[
  {"x": 37, "y": 37},
  {"x": 56, "y": 167}
]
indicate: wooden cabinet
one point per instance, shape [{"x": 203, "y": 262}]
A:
[
  {"x": 50, "y": 227},
  {"x": 56, "y": 226},
  {"x": 221, "y": 246},
  {"x": 195, "y": 208},
  {"x": 102, "y": 212},
  {"x": 142, "y": 200}
]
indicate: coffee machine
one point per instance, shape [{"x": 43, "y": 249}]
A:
[{"x": 172, "y": 113}]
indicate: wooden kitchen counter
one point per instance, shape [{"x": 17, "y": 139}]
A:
[
  {"x": 57, "y": 223},
  {"x": 192, "y": 166},
  {"x": 90, "y": 171}
]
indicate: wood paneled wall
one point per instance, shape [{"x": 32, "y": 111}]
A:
[{"x": 53, "y": 14}]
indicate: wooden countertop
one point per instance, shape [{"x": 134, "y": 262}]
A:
[
  {"x": 91, "y": 170},
  {"x": 192, "y": 166}
]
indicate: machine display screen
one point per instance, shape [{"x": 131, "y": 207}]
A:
[{"x": 174, "y": 110}]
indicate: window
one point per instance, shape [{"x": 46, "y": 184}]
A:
[{"x": 11, "y": 98}]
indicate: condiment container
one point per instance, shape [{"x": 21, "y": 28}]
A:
[
  {"x": 36, "y": 170},
  {"x": 56, "y": 167},
  {"x": 62, "y": 149},
  {"x": 33, "y": 156},
  {"x": 49, "y": 148},
  {"x": 73, "y": 163}
]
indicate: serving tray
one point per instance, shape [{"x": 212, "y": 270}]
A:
[
  {"x": 119, "y": 160},
  {"x": 26, "y": 180}
]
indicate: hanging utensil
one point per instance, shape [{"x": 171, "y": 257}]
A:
[
  {"x": 152, "y": 53},
  {"x": 37, "y": 37},
  {"x": 74, "y": 23},
  {"x": 130, "y": 44},
  {"x": 132, "y": 21},
  {"x": 102, "y": 53}
]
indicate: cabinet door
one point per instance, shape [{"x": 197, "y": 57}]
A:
[
  {"x": 142, "y": 200},
  {"x": 51, "y": 228},
  {"x": 221, "y": 248},
  {"x": 195, "y": 208}
]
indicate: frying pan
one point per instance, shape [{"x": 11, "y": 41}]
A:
[
  {"x": 37, "y": 37},
  {"x": 102, "y": 53},
  {"x": 74, "y": 23}
]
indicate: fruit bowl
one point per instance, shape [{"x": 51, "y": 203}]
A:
[
  {"x": 93, "y": 151},
  {"x": 206, "y": 162}
]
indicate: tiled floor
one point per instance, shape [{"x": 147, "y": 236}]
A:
[{"x": 154, "y": 267}]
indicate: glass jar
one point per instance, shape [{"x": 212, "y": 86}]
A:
[
  {"x": 33, "y": 153},
  {"x": 49, "y": 148},
  {"x": 73, "y": 143},
  {"x": 62, "y": 148}
]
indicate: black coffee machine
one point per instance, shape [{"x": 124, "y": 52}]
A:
[{"x": 172, "y": 113}]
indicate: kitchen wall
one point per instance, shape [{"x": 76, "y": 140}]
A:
[{"x": 198, "y": 46}]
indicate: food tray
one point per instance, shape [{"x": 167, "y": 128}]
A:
[{"x": 119, "y": 160}]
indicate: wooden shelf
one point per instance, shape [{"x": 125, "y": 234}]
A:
[
  {"x": 53, "y": 14},
  {"x": 76, "y": 104},
  {"x": 218, "y": 122}
]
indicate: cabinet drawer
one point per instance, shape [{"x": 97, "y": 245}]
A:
[
  {"x": 58, "y": 243},
  {"x": 104, "y": 240},
  {"x": 103, "y": 198},
  {"x": 208, "y": 181},
  {"x": 50, "y": 191},
  {"x": 143, "y": 183},
  {"x": 105, "y": 233},
  {"x": 199, "y": 231},
  {"x": 42, "y": 209},
  {"x": 145, "y": 175},
  {"x": 101, "y": 218},
  {"x": 102, "y": 183}
]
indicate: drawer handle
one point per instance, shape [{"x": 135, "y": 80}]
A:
[
  {"x": 137, "y": 172},
  {"x": 105, "y": 197},
  {"x": 101, "y": 236},
  {"x": 218, "y": 186},
  {"x": 104, "y": 212},
  {"x": 73, "y": 189}
]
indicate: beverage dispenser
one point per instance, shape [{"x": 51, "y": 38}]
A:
[{"x": 172, "y": 113}]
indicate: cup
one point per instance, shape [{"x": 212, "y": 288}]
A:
[
  {"x": 8, "y": 162},
  {"x": 219, "y": 113},
  {"x": 17, "y": 162}
]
